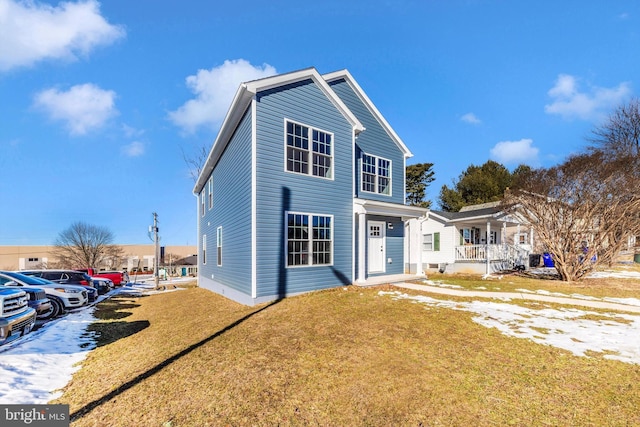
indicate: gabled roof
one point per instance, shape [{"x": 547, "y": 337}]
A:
[
  {"x": 242, "y": 100},
  {"x": 492, "y": 210},
  {"x": 344, "y": 74}
]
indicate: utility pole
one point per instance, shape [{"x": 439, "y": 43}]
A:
[{"x": 156, "y": 241}]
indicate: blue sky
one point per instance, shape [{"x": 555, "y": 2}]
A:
[{"x": 98, "y": 101}]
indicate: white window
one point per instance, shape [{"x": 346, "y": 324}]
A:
[
  {"x": 309, "y": 151},
  {"x": 431, "y": 242},
  {"x": 202, "y": 195},
  {"x": 375, "y": 174},
  {"x": 427, "y": 242},
  {"x": 521, "y": 238},
  {"x": 470, "y": 236},
  {"x": 309, "y": 239},
  {"x": 204, "y": 248},
  {"x": 219, "y": 245},
  {"x": 210, "y": 192}
]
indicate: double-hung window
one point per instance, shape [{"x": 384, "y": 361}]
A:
[
  {"x": 375, "y": 174},
  {"x": 202, "y": 196},
  {"x": 219, "y": 245},
  {"x": 309, "y": 150},
  {"x": 204, "y": 249},
  {"x": 210, "y": 192},
  {"x": 309, "y": 239},
  {"x": 431, "y": 242}
]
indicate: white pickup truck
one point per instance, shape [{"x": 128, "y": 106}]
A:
[{"x": 16, "y": 317}]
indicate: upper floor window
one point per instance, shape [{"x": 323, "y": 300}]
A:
[
  {"x": 210, "y": 192},
  {"x": 376, "y": 175},
  {"x": 202, "y": 195},
  {"x": 309, "y": 151}
]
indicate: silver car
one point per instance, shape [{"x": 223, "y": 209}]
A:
[{"x": 62, "y": 297}]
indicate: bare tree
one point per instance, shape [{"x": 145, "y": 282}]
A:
[
  {"x": 583, "y": 210},
  {"x": 620, "y": 134},
  {"x": 195, "y": 161},
  {"x": 84, "y": 246},
  {"x": 113, "y": 258}
]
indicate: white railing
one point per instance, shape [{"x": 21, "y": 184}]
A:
[{"x": 516, "y": 255}]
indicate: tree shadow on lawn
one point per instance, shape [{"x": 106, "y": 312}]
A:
[
  {"x": 147, "y": 374},
  {"x": 109, "y": 330},
  {"x": 113, "y": 308},
  {"x": 107, "y": 333}
]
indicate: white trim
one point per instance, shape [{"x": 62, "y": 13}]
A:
[
  {"x": 374, "y": 207},
  {"x": 362, "y": 252},
  {"x": 344, "y": 74},
  {"x": 296, "y": 76},
  {"x": 204, "y": 249},
  {"x": 377, "y": 165},
  {"x": 198, "y": 243},
  {"x": 219, "y": 246},
  {"x": 243, "y": 98},
  {"x": 354, "y": 165},
  {"x": 210, "y": 185},
  {"x": 309, "y": 150},
  {"x": 254, "y": 204},
  {"x": 383, "y": 236},
  {"x": 310, "y": 239}
]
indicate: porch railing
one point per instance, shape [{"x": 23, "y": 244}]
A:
[{"x": 513, "y": 254}]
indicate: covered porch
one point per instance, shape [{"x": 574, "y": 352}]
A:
[
  {"x": 382, "y": 231},
  {"x": 486, "y": 239}
]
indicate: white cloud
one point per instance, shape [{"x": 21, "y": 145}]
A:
[
  {"x": 471, "y": 119},
  {"x": 569, "y": 102},
  {"x": 135, "y": 149},
  {"x": 32, "y": 31},
  {"x": 515, "y": 152},
  {"x": 82, "y": 108},
  {"x": 131, "y": 132},
  {"x": 214, "y": 90}
]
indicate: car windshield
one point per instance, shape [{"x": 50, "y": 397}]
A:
[{"x": 29, "y": 280}]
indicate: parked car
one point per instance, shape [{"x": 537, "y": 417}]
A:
[
  {"x": 66, "y": 277},
  {"x": 38, "y": 301},
  {"x": 102, "y": 284},
  {"x": 62, "y": 297},
  {"x": 119, "y": 278},
  {"x": 16, "y": 317}
]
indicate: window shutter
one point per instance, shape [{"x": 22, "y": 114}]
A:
[{"x": 436, "y": 241}]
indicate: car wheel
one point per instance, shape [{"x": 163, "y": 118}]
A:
[
  {"x": 49, "y": 313},
  {"x": 58, "y": 308}
]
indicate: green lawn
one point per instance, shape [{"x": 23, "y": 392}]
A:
[{"x": 343, "y": 357}]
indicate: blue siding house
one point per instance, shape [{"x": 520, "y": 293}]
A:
[{"x": 303, "y": 189}]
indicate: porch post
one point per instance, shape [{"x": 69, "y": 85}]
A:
[
  {"x": 362, "y": 244},
  {"x": 531, "y": 238},
  {"x": 487, "y": 247}
]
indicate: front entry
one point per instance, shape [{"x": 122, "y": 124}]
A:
[{"x": 377, "y": 246}]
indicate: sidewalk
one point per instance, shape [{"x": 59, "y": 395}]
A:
[{"x": 517, "y": 295}]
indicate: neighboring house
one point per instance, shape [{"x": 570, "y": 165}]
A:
[
  {"x": 187, "y": 266},
  {"x": 478, "y": 239},
  {"x": 303, "y": 189}
]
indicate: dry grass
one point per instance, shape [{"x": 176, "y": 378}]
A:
[{"x": 333, "y": 358}]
